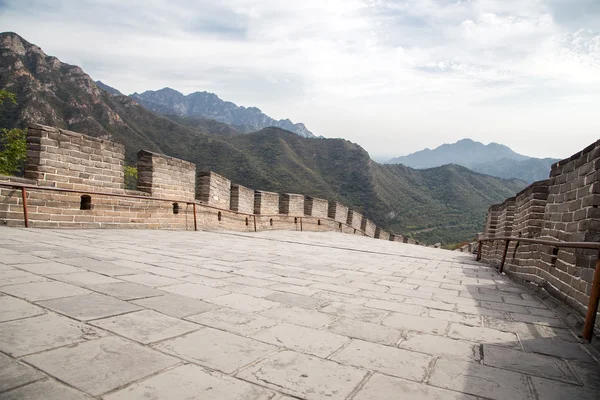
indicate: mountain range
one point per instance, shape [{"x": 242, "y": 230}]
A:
[
  {"x": 446, "y": 204},
  {"x": 492, "y": 159}
]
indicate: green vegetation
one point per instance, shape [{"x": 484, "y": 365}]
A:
[
  {"x": 131, "y": 176},
  {"x": 13, "y": 146}
]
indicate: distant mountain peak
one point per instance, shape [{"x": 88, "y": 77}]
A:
[
  {"x": 208, "y": 105},
  {"x": 108, "y": 89},
  {"x": 493, "y": 159}
]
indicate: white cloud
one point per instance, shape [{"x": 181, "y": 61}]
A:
[{"x": 394, "y": 76}]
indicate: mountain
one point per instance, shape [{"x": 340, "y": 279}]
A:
[
  {"x": 492, "y": 159},
  {"x": 209, "y": 105},
  {"x": 446, "y": 204},
  {"x": 109, "y": 89}
]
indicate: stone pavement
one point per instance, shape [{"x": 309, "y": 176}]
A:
[{"x": 274, "y": 315}]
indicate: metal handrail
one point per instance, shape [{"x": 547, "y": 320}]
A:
[
  {"x": 24, "y": 187},
  {"x": 592, "y": 309}
]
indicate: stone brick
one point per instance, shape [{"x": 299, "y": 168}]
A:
[{"x": 213, "y": 189}]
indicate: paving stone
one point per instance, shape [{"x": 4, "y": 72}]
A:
[
  {"x": 406, "y": 322},
  {"x": 298, "y": 300},
  {"x": 441, "y": 346},
  {"x": 483, "y": 335},
  {"x": 216, "y": 349},
  {"x": 398, "y": 307},
  {"x": 504, "y": 307},
  {"x": 534, "y": 319},
  {"x": 353, "y": 311},
  {"x": 557, "y": 348},
  {"x": 37, "y": 291},
  {"x": 243, "y": 280},
  {"x": 384, "y": 387},
  {"x": 302, "y": 290},
  {"x": 410, "y": 293},
  {"x": 335, "y": 288},
  {"x": 126, "y": 290},
  {"x": 191, "y": 382},
  {"x": 89, "y": 306},
  {"x": 475, "y": 310},
  {"x": 431, "y": 304},
  {"x": 15, "y": 259},
  {"x": 85, "y": 278},
  {"x": 587, "y": 373},
  {"x": 151, "y": 280},
  {"x": 334, "y": 297},
  {"x": 230, "y": 320},
  {"x": 302, "y": 339},
  {"x": 44, "y": 390},
  {"x": 480, "y": 380},
  {"x": 385, "y": 359},
  {"x": 365, "y": 331},
  {"x": 194, "y": 291},
  {"x": 175, "y": 305},
  {"x": 99, "y": 366},
  {"x": 528, "y": 363},
  {"x": 146, "y": 326},
  {"x": 299, "y": 316},
  {"x": 244, "y": 302},
  {"x": 12, "y": 308},
  {"x": 451, "y": 316},
  {"x": 291, "y": 280},
  {"x": 101, "y": 267},
  {"x": 170, "y": 273},
  {"x": 13, "y": 374},
  {"x": 49, "y": 268},
  {"x": 552, "y": 390},
  {"x": 25, "y": 336},
  {"x": 205, "y": 281},
  {"x": 304, "y": 376},
  {"x": 541, "y": 312},
  {"x": 248, "y": 290}
]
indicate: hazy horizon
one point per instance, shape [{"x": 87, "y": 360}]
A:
[{"x": 393, "y": 76}]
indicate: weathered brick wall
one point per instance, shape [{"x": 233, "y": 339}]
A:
[
  {"x": 315, "y": 207},
  {"x": 291, "y": 204},
  {"x": 396, "y": 238},
  {"x": 167, "y": 187},
  {"x": 70, "y": 160},
  {"x": 564, "y": 208},
  {"x": 530, "y": 205},
  {"x": 490, "y": 249},
  {"x": 338, "y": 212},
  {"x": 266, "y": 203},
  {"x": 506, "y": 216},
  {"x": 166, "y": 177},
  {"x": 572, "y": 214},
  {"x": 367, "y": 226},
  {"x": 354, "y": 219},
  {"x": 242, "y": 199},
  {"x": 381, "y": 234},
  {"x": 213, "y": 189}
]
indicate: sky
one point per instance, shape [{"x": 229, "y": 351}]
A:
[{"x": 392, "y": 76}]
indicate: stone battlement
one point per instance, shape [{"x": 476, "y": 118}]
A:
[
  {"x": 565, "y": 207},
  {"x": 89, "y": 192}
]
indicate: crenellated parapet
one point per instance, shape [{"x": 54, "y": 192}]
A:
[
  {"x": 564, "y": 208},
  {"x": 85, "y": 188}
]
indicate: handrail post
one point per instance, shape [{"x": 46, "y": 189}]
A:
[
  {"x": 25, "y": 212},
  {"x": 590, "y": 319},
  {"x": 504, "y": 257},
  {"x": 254, "y": 216},
  {"x": 195, "y": 220},
  {"x": 479, "y": 248},
  {"x": 300, "y": 224}
]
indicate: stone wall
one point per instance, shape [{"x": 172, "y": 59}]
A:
[
  {"x": 368, "y": 227},
  {"x": 166, "y": 177},
  {"x": 354, "y": 219},
  {"x": 315, "y": 207},
  {"x": 266, "y": 203},
  {"x": 338, "y": 212},
  {"x": 291, "y": 204},
  {"x": 564, "y": 208},
  {"x": 76, "y": 181},
  {"x": 242, "y": 199},
  {"x": 213, "y": 189},
  {"x": 381, "y": 234},
  {"x": 70, "y": 160}
]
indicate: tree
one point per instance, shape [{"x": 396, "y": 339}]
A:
[
  {"x": 13, "y": 145},
  {"x": 131, "y": 176}
]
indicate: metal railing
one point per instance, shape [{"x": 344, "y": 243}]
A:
[
  {"x": 592, "y": 308},
  {"x": 23, "y": 188}
]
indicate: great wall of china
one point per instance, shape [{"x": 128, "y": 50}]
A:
[
  {"x": 564, "y": 208},
  {"x": 76, "y": 181}
]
